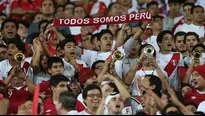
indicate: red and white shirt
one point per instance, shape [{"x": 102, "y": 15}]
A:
[
  {"x": 194, "y": 96},
  {"x": 139, "y": 75},
  {"x": 97, "y": 7},
  {"x": 49, "y": 107},
  {"x": 16, "y": 96},
  {"x": 5, "y": 67},
  {"x": 171, "y": 63}
]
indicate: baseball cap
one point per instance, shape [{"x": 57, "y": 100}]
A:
[{"x": 84, "y": 74}]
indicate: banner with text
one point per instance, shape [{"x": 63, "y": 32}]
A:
[{"x": 141, "y": 16}]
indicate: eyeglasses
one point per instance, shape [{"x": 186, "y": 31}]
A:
[{"x": 93, "y": 95}]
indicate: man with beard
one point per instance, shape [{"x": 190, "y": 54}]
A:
[
  {"x": 190, "y": 39},
  {"x": 179, "y": 43}
]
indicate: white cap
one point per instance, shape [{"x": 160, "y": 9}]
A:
[{"x": 109, "y": 97}]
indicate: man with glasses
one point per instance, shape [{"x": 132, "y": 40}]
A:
[{"x": 92, "y": 96}]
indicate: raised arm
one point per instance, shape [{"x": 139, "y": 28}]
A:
[
  {"x": 120, "y": 37},
  {"x": 165, "y": 83},
  {"x": 129, "y": 44},
  {"x": 123, "y": 91},
  {"x": 36, "y": 56},
  {"x": 131, "y": 73},
  {"x": 30, "y": 85},
  {"x": 188, "y": 73}
]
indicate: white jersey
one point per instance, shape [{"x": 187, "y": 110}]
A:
[
  {"x": 40, "y": 77},
  {"x": 69, "y": 70},
  {"x": 81, "y": 63},
  {"x": 90, "y": 57},
  {"x": 171, "y": 63},
  {"x": 72, "y": 112},
  {"x": 139, "y": 75},
  {"x": 199, "y": 30},
  {"x": 84, "y": 112},
  {"x": 5, "y": 67},
  {"x": 127, "y": 64},
  {"x": 181, "y": 28}
]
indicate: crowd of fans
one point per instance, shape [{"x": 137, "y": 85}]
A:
[{"x": 139, "y": 68}]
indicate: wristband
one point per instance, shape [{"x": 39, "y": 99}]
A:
[{"x": 142, "y": 28}]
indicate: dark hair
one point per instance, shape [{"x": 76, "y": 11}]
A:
[
  {"x": 199, "y": 113},
  {"x": 194, "y": 7},
  {"x": 198, "y": 45},
  {"x": 111, "y": 4},
  {"x": 173, "y": 1},
  {"x": 94, "y": 36},
  {"x": 95, "y": 63},
  {"x": 31, "y": 37},
  {"x": 152, "y": 3},
  {"x": 80, "y": 7},
  {"x": 68, "y": 100},
  {"x": 56, "y": 79},
  {"x": 33, "y": 16},
  {"x": 104, "y": 32},
  {"x": 53, "y": 60},
  {"x": 188, "y": 4},
  {"x": 88, "y": 88},
  {"x": 142, "y": 47},
  {"x": 68, "y": 4},
  {"x": 184, "y": 85},
  {"x": 41, "y": 67},
  {"x": 154, "y": 80},
  {"x": 191, "y": 103},
  {"x": 156, "y": 16},
  {"x": 189, "y": 34},
  {"x": 19, "y": 44},
  {"x": 49, "y": 22},
  {"x": 3, "y": 46},
  {"x": 161, "y": 35},
  {"x": 7, "y": 21},
  {"x": 24, "y": 23},
  {"x": 2, "y": 14},
  {"x": 41, "y": 22},
  {"x": 59, "y": 6},
  {"x": 50, "y": 0},
  {"x": 180, "y": 33},
  {"x": 168, "y": 106},
  {"x": 69, "y": 38}
]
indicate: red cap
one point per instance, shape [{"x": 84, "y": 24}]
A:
[
  {"x": 2, "y": 82},
  {"x": 84, "y": 74},
  {"x": 200, "y": 70}
]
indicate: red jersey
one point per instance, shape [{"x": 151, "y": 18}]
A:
[
  {"x": 49, "y": 107},
  {"x": 16, "y": 97},
  {"x": 45, "y": 88},
  {"x": 31, "y": 6},
  {"x": 194, "y": 96},
  {"x": 78, "y": 39}
]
